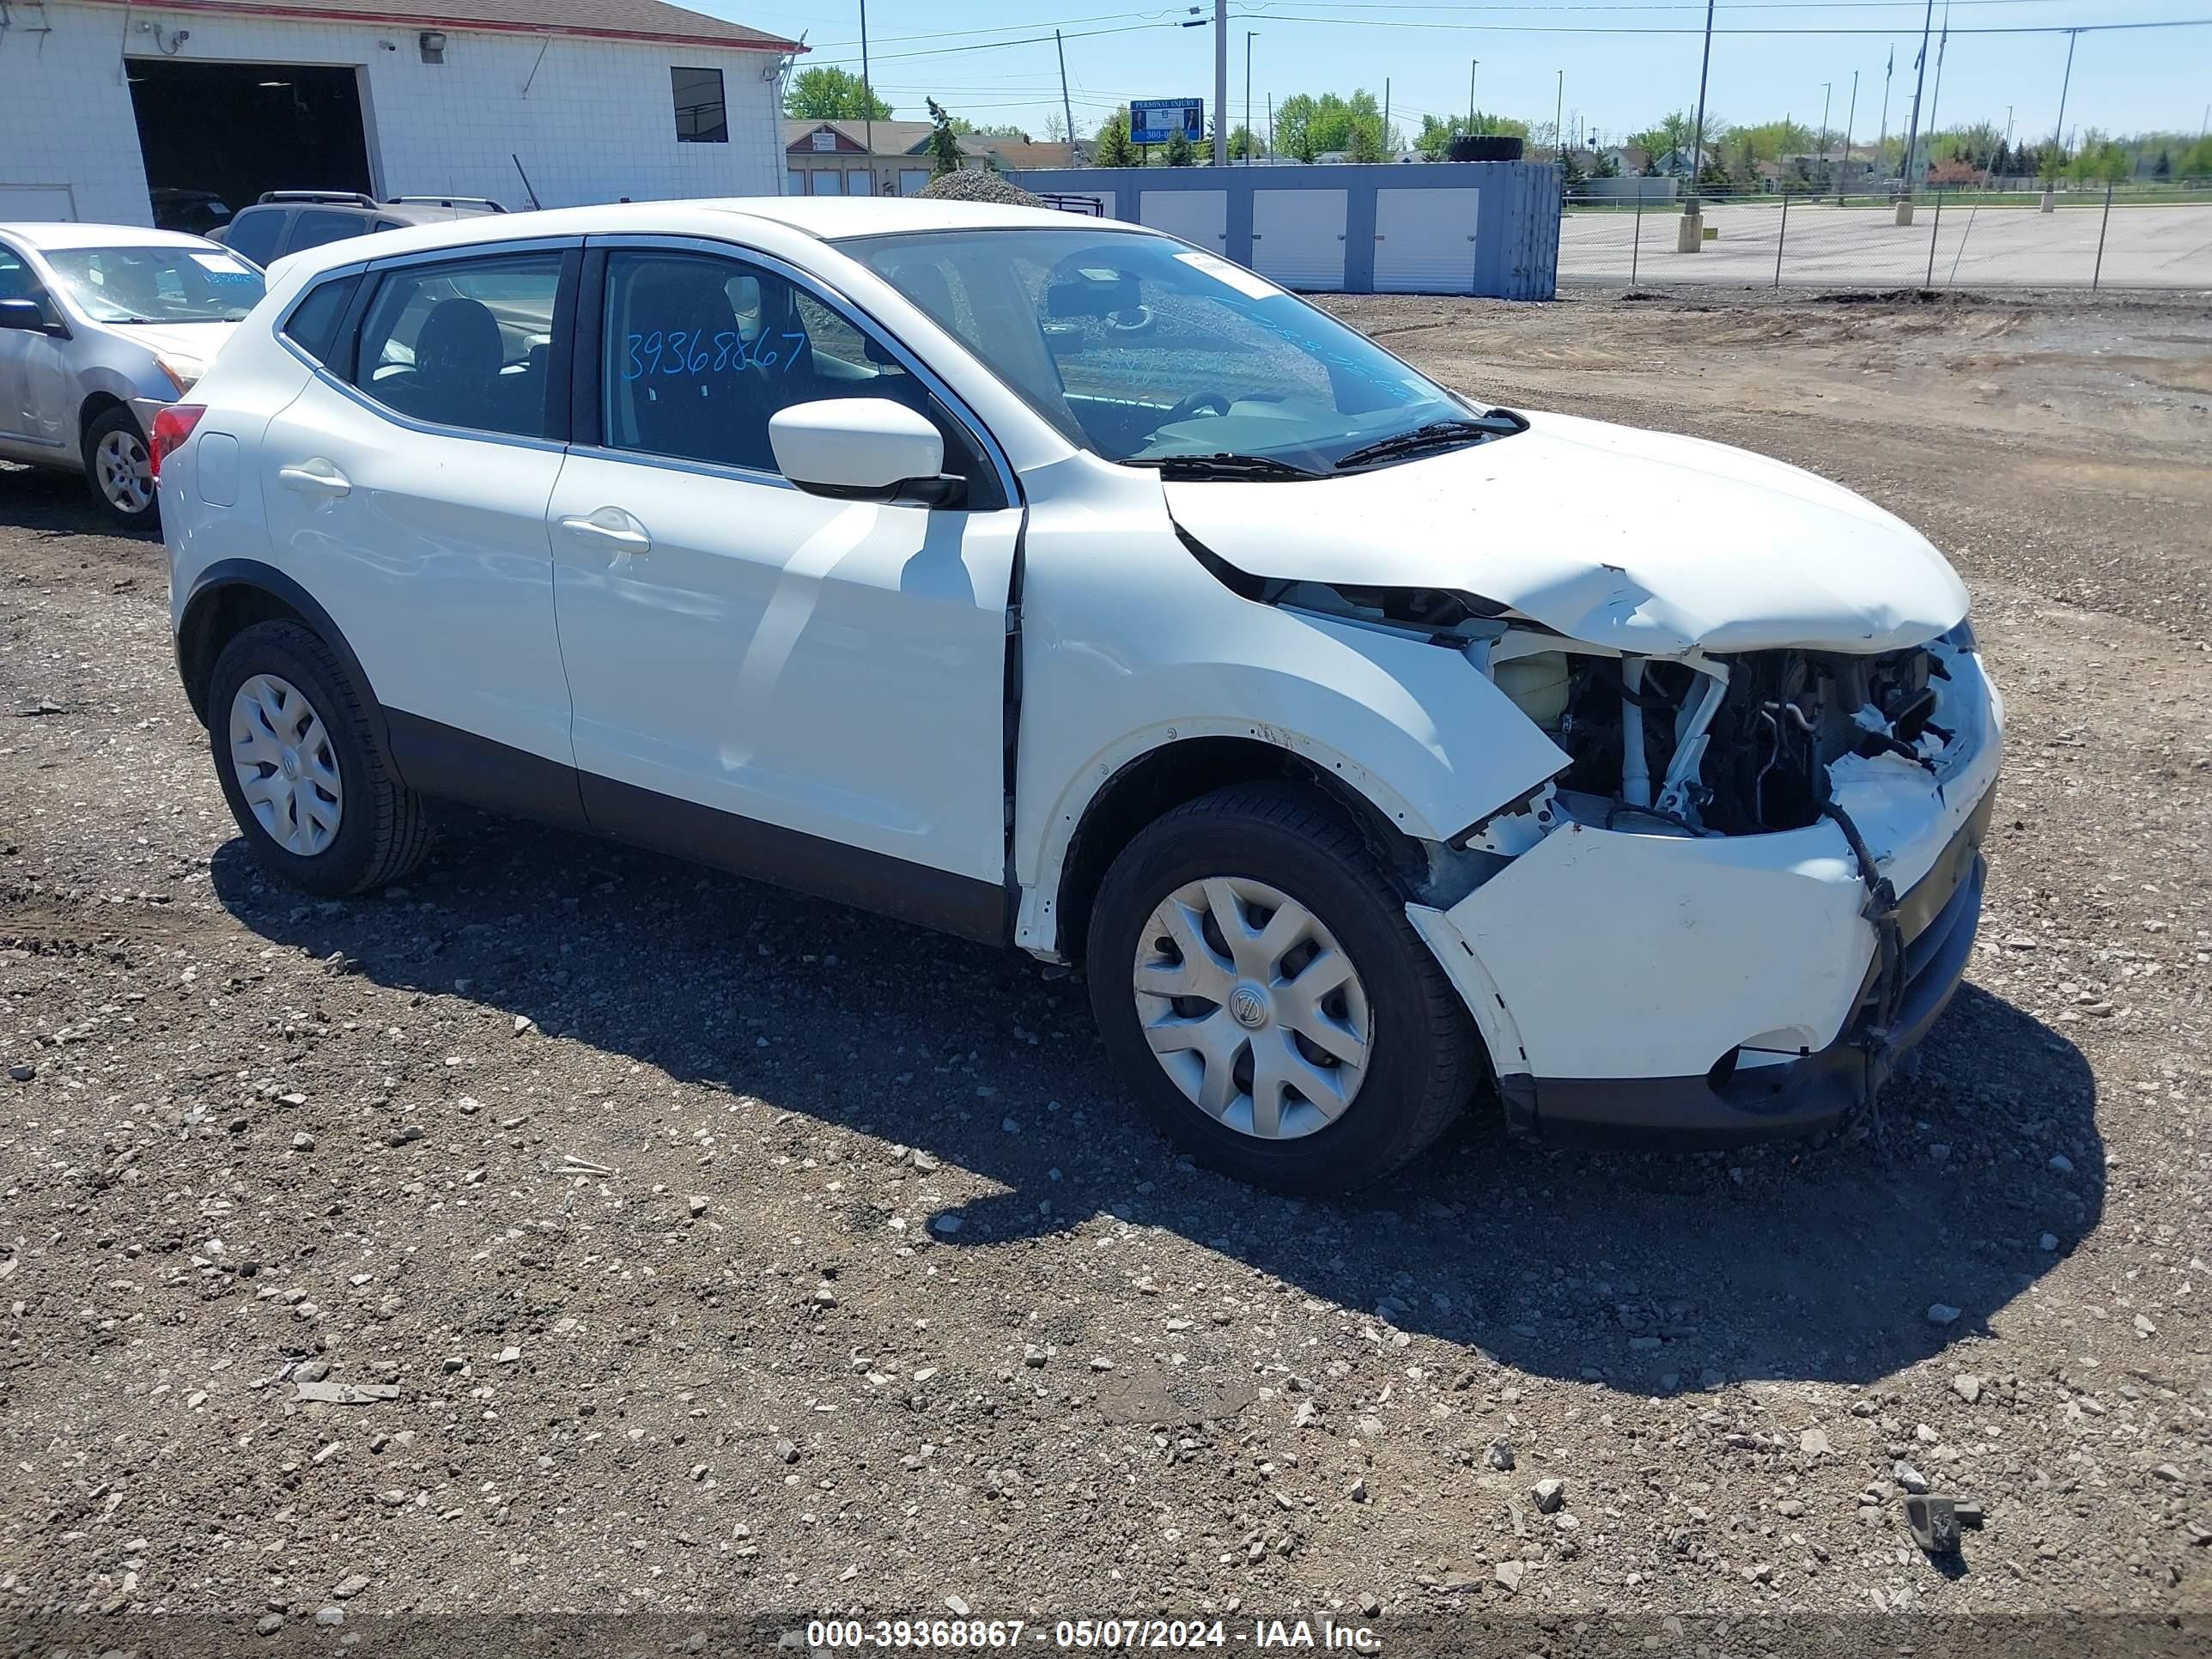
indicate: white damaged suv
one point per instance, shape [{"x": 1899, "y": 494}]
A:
[{"x": 1054, "y": 583}]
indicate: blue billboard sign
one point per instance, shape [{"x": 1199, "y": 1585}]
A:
[{"x": 1156, "y": 120}]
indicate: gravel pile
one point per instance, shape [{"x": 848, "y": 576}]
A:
[{"x": 977, "y": 184}]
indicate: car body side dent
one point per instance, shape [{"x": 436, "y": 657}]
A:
[{"x": 1129, "y": 644}]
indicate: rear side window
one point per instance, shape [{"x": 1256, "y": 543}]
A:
[
  {"x": 254, "y": 232},
  {"x": 465, "y": 343},
  {"x": 316, "y": 225},
  {"x": 313, "y": 324}
]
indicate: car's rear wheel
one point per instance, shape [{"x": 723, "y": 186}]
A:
[
  {"x": 120, "y": 468},
  {"x": 1263, "y": 996},
  {"x": 292, "y": 747}
]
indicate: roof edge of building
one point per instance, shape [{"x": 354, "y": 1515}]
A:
[{"x": 409, "y": 19}]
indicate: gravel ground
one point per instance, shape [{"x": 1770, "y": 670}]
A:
[{"x": 572, "y": 1229}]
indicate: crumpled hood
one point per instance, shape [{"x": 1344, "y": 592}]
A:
[{"x": 1641, "y": 541}]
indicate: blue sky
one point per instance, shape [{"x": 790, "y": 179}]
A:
[{"x": 1615, "y": 82}]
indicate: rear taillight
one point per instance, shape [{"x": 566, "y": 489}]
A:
[{"x": 171, "y": 428}]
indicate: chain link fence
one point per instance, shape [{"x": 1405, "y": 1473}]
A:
[{"x": 2096, "y": 237}]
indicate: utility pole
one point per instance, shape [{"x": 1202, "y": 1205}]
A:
[
  {"x": 1248, "y": 33},
  {"x": 1883, "y": 142},
  {"x": 1826, "y": 92},
  {"x": 1844, "y": 170},
  {"x": 1559, "y": 132},
  {"x": 1386, "y": 117},
  {"x": 1474, "y": 65},
  {"x": 2059, "y": 133},
  {"x": 1270, "y": 126},
  {"x": 1690, "y": 213},
  {"x": 1913, "y": 136},
  {"x": 1221, "y": 83},
  {"x": 867, "y": 97},
  {"x": 1067, "y": 110},
  {"x": 1935, "y": 97}
]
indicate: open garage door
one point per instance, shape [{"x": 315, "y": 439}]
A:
[{"x": 215, "y": 135}]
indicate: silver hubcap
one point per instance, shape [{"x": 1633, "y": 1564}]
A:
[
  {"x": 286, "y": 768},
  {"x": 1252, "y": 1007},
  {"x": 125, "y": 475}
]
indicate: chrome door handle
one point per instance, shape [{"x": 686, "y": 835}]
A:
[
  {"x": 315, "y": 477},
  {"x": 611, "y": 525}
]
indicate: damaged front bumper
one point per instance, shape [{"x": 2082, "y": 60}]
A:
[{"x": 1707, "y": 990}]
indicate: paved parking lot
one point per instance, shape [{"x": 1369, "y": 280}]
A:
[
  {"x": 573, "y": 1229},
  {"x": 1974, "y": 247}
]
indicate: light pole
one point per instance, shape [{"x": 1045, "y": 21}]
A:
[
  {"x": 1882, "y": 143},
  {"x": 1558, "y": 133},
  {"x": 867, "y": 98},
  {"x": 1826, "y": 92},
  {"x": 1221, "y": 83},
  {"x": 1248, "y": 33},
  {"x": 1472, "y": 64},
  {"x": 2059, "y": 133},
  {"x": 1844, "y": 171},
  {"x": 1913, "y": 136},
  {"x": 1691, "y": 237}
]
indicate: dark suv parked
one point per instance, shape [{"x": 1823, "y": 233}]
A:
[{"x": 285, "y": 221}]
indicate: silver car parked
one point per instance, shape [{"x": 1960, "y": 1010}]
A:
[{"x": 100, "y": 326}]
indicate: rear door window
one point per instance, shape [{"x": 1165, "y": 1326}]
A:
[
  {"x": 465, "y": 343},
  {"x": 254, "y": 232},
  {"x": 316, "y": 225},
  {"x": 313, "y": 324}
]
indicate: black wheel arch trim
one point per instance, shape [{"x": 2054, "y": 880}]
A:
[{"x": 194, "y": 661}]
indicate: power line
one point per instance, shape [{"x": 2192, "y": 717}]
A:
[{"x": 1769, "y": 30}]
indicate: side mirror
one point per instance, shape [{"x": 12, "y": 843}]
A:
[
  {"x": 25, "y": 314},
  {"x": 861, "y": 449}
]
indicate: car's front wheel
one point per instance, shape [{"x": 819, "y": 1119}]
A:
[
  {"x": 1264, "y": 996},
  {"x": 120, "y": 468},
  {"x": 312, "y": 796}
]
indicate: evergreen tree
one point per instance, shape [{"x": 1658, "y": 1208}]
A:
[{"x": 944, "y": 143}]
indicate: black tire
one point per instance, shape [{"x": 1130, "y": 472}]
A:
[
  {"x": 1423, "y": 1058},
  {"x": 384, "y": 828},
  {"x": 143, "y": 521}
]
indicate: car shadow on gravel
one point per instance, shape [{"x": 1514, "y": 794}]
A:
[
  {"x": 1837, "y": 1261},
  {"x": 56, "y": 505}
]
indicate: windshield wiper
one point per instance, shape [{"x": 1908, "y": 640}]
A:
[
  {"x": 1224, "y": 464},
  {"x": 1436, "y": 434}
]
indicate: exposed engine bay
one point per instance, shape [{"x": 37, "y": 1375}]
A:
[{"x": 1725, "y": 744}]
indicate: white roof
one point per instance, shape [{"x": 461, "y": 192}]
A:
[
  {"x": 826, "y": 218},
  {"x": 48, "y": 236}
]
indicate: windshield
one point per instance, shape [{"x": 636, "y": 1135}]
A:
[
  {"x": 1143, "y": 349},
  {"x": 157, "y": 284}
]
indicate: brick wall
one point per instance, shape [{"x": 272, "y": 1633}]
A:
[{"x": 597, "y": 122}]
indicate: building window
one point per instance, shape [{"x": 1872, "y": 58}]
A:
[{"x": 701, "y": 118}]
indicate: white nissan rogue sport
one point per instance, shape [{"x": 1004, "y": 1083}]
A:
[{"x": 1052, "y": 582}]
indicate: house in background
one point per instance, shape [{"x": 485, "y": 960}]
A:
[
  {"x": 834, "y": 158},
  {"x": 128, "y": 112}
]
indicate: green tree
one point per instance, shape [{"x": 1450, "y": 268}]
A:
[
  {"x": 1242, "y": 144},
  {"x": 2100, "y": 160},
  {"x": 1608, "y": 167},
  {"x": 944, "y": 143},
  {"x": 825, "y": 93},
  {"x": 1178, "y": 150},
  {"x": 1435, "y": 138},
  {"x": 2196, "y": 161},
  {"x": 1307, "y": 126},
  {"x": 1571, "y": 176},
  {"x": 1673, "y": 132},
  {"x": 1112, "y": 147}
]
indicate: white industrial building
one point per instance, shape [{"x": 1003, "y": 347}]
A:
[{"x": 124, "y": 111}]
